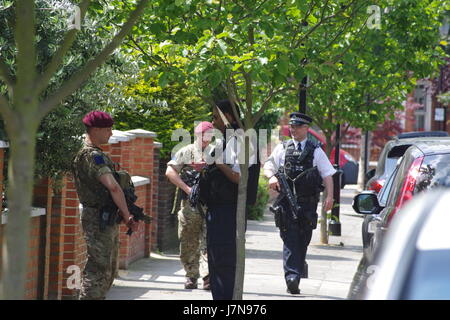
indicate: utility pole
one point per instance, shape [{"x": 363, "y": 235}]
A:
[
  {"x": 366, "y": 155},
  {"x": 302, "y": 109},
  {"x": 302, "y": 95},
  {"x": 334, "y": 226}
]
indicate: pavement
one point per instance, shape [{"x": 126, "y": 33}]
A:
[{"x": 331, "y": 266}]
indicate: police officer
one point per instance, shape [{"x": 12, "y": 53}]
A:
[
  {"x": 96, "y": 188},
  {"x": 191, "y": 222},
  {"x": 305, "y": 165}
]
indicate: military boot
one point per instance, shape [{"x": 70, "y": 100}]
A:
[
  {"x": 206, "y": 285},
  {"x": 191, "y": 283}
]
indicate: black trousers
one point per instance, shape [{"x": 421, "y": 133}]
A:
[
  {"x": 295, "y": 243},
  {"x": 221, "y": 247}
]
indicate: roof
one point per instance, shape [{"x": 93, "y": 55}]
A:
[{"x": 436, "y": 146}]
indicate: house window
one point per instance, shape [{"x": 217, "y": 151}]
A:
[{"x": 421, "y": 114}]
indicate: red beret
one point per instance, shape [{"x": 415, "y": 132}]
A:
[
  {"x": 203, "y": 127},
  {"x": 98, "y": 119}
]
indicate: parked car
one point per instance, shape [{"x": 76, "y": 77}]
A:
[
  {"x": 413, "y": 263},
  {"x": 425, "y": 165},
  {"x": 389, "y": 159},
  {"x": 347, "y": 163},
  {"x": 391, "y": 152}
]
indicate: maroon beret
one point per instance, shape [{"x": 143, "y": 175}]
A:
[{"x": 98, "y": 119}]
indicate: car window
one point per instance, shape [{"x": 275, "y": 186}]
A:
[
  {"x": 382, "y": 158},
  {"x": 434, "y": 172},
  {"x": 390, "y": 165},
  {"x": 399, "y": 178},
  {"x": 385, "y": 191},
  {"x": 429, "y": 277}
]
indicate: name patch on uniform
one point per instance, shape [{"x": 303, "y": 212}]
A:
[{"x": 99, "y": 159}]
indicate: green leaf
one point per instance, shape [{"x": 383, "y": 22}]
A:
[
  {"x": 214, "y": 79},
  {"x": 282, "y": 66},
  {"x": 163, "y": 80},
  {"x": 223, "y": 35}
]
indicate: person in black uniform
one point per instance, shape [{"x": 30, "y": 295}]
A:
[
  {"x": 219, "y": 189},
  {"x": 305, "y": 166}
]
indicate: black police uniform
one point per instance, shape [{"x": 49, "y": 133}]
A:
[
  {"x": 306, "y": 184},
  {"x": 220, "y": 195}
]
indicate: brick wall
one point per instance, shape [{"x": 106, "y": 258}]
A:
[
  {"x": 167, "y": 223},
  {"x": 74, "y": 246},
  {"x": 57, "y": 242}
]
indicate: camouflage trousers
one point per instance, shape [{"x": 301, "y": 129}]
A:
[
  {"x": 102, "y": 256},
  {"x": 192, "y": 235}
]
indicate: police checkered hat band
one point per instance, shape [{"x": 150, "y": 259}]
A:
[{"x": 298, "y": 118}]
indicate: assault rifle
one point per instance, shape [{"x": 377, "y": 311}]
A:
[
  {"x": 285, "y": 193},
  {"x": 109, "y": 214},
  {"x": 192, "y": 178}
]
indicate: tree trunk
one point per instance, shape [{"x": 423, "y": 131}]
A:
[
  {"x": 323, "y": 222},
  {"x": 362, "y": 162},
  {"x": 240, "y": 234},
  {"x": 19, "y": 193}
]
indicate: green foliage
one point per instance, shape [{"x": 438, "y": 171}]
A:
[
  {"x": 256, "y": 211},
  {"x": 60, "y": 132},
  {"x": 372, "y": 77},
  {"x": 160, "y": 110},
  {"x": 59, "y": 138}
]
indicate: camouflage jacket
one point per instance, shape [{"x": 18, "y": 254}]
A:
[{"x": 88, "y": 165}]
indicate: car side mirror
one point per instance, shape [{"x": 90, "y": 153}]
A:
[
  {"x": 366, "y": 202},
  {"x": 370, "y": 174}
]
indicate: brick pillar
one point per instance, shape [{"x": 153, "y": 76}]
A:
[
  {"x": 144, "y": 165},
  {"x": 55, "y": 223},
  {"x": 74, "y": 246},
  {"x": 167, "y": 222},
  {"x": 409, "y": 114},
  {"x": 42, "y": 197},
  {"x": 155, "y": 197}
]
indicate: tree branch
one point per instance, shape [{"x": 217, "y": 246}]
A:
[
  {"x": 45, "y": 77},
  {"x": 266, "y": 102},
  {"x": 323, "y": 20},
  {"x": 6, "y": 75},
  {"x": 26, "y": 51},
  {"x": 5, "y": 108},
  {"x": 78, "y": 78},
  {"x": 252, "y": 11},
  {"x": 233, "y": 97},
  {"x": 139, "y": 48}
]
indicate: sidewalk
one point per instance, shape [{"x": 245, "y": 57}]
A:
[{"x": 331, "y": 267}]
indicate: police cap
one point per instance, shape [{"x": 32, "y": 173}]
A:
[
  {"x": 297, "y": 118},
  {"x": 98, "y": 119}
]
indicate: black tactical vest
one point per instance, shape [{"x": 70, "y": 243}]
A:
[
  {"x": 300, "y": 171},
  {"x": 215, "y": 187}
]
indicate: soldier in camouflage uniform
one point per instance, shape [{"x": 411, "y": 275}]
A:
[
  {"x": 96, "y": 188},
  {"x": 191, "y": 221}
]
